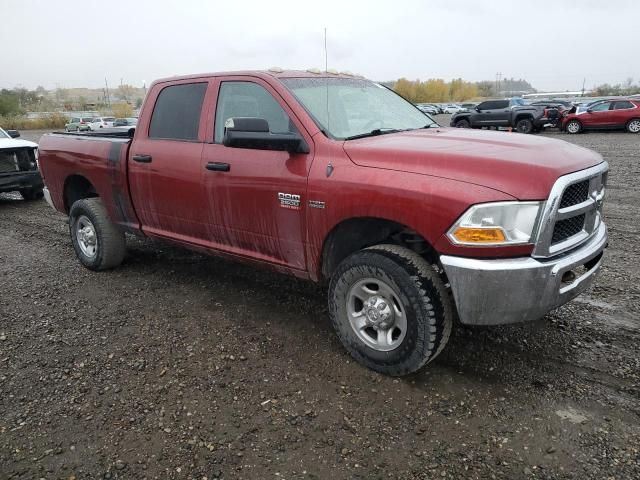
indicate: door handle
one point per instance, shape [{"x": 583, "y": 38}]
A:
[
  {"x": 218, "y": 166},
  {"x": 142, "y": 158}
]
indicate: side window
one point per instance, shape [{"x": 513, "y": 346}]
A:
[
  {"x": 176, "y": 114},
  {"x": 248, "y": 99},
  {"x": 499, "y": 104},
  {"x": 75, "y": 120},
  {"x": 483, "y": 106},
  {"x": 622, "y": 105},
  {"x": 600, "y": 107}
]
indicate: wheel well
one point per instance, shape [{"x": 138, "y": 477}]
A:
[
  {"x": 465, "y": 117},
  {"x": 523, "y": 116},
  {"x": 77, "y": 187},
  {"x": 355, "y": 234}
]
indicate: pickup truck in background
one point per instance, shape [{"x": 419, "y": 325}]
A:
[
  {"x": 337, "y": 179},
  {"x": 19, "y": 166},
  {"x": 509, "y": 113}
]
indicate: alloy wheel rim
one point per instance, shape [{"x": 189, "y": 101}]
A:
[
  {"x": 634, "y": 126},
  {"x": 87, "y": 237},
  {"x": 376, "y": 314},
  {"x": 573, "y": 127}
]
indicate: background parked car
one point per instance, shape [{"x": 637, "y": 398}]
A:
[
  {"x": 101, "y": 122},
  {"x": 78, "y": 124},
  {"x": 605, "y": 115},
  {"x": 451, "y": 108},
  {"x": 428, "y": 108},
  {"x": 469, "y": 106},
  {"x": 125, "y": 122}
]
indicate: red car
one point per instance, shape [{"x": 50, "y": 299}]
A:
[
  {"x": 605, "y": 115},
  {"x": 339, "y": 180}
]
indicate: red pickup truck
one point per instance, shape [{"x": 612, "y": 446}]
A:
[{"x": 336, "y": 179}]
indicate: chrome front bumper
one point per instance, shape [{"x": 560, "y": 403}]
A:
[
  {"x": 47, "y": 197},
  {"x": 493, "y": 292}
]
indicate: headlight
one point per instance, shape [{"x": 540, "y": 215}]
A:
[{"x": 500, "y": 223}]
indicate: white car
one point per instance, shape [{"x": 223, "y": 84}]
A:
[
  {"x": 101, "y": 122},
  {"x": 452, "y": 108},
  {"x": 19, "y": 166}
]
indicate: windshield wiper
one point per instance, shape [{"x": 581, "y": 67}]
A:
[{"x": 375, "y": 132}]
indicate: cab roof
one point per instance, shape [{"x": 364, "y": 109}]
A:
[{"x": 273, "y": 73}]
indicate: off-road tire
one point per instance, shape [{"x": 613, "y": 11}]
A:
[
  {"x": 569, "y": 129},
  {"x": 111, "y": 246},
  {"x": 524, "y": 125},
  {"x": 464, "y": 123},
  {"x": 30, "y": 194},
  {"x": 426, "y": 302}
]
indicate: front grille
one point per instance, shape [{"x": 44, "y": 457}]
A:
[
  {"x": 572, "y": 212},
  {"x": 8, "y": 161},
  {"x": 567, "y": 228},
  {"x": 575, "y": 194},
  {"x": 18, "y": 159}
]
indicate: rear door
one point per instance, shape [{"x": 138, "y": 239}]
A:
[
  {"x": 165, "y": 164},
  {"x": 493, "y": 113},
  {"x": 256, "y": 198},
  {"x": 622, "y": 112}
]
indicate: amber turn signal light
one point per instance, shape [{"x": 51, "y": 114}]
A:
[{"x": 479, "y": 235}]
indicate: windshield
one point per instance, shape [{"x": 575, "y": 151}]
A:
[
  {"x": 355, "y": 107},
  {"x": 4, "y": 134}
]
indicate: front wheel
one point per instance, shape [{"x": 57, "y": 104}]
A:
[
  {"x": 98, "y": 243},
  {"x": 634, "y": 126},
  {"x": 390, "y": 309},
  {"x": 463, "y": 124},
  {"x": 573, "y": 127},
  {"x": 524, "y": 125}
]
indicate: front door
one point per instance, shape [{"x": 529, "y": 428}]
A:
[
  {"x": 257, "y": 198},
  {"x": 599, "y": 115}
]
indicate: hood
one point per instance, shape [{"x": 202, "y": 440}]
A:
[
  {"x": 523, "y": 166},
  {"x": 16, "y": 143}
]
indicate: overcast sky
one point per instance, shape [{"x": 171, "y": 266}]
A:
[{"x": 553, "y": 44}]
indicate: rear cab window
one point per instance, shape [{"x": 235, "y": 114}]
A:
[{"x": 176, "y": 114}]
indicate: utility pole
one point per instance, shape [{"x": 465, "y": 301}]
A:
[
  {"x": 584, "y": 80},
  {"x": 498, "y": 78},
  {"x": 107, "y": 90}
]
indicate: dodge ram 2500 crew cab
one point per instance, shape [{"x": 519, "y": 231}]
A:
[{"x": 337, "y": 179}]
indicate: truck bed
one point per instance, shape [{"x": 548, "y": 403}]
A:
[{"x": 100, "y": 158}]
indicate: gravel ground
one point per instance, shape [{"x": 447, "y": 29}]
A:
[{"x": 178, "y": 365}]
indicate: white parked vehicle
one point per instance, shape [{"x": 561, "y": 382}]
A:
[
  {"x": 451, "y": 108},
  {"x": 101, "y": 122}
]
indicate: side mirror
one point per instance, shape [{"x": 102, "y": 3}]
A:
[
  {"x": 589, "y": 110},
  {"x": 13, "y": 133},
  {"x": 250, "y": 132}
]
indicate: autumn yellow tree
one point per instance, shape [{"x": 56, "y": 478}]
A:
[
  {"x": 122, "y": 110},
  {"x": 459, "y": 90},
  {"x": 405, "y": 88}
]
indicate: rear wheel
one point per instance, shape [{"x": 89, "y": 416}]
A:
[
  {"x": 634, "y": 126},
  {"x": 573, "y": 127},
  {"x": 390, "y": 309},
  {"x": 463, "y": 124},
  {"x": 98, "y": 243},
  {"x": 524, "y": 125}
]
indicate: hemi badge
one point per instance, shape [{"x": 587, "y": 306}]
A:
[{"x": 316, "y": 204}]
